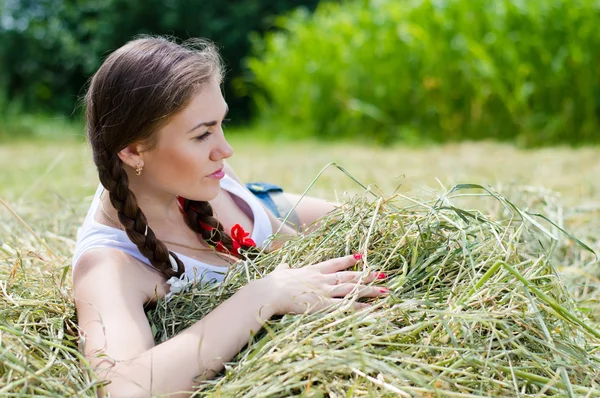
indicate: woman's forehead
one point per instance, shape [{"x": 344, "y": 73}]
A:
[{"x": 206, "y": 108}]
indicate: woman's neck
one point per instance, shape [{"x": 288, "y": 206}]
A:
[
  {"x": 161, "y": 211},
  {"x": 158, "y": 206}
]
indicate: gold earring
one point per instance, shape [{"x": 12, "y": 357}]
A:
[{"x": 138, "y": 169}]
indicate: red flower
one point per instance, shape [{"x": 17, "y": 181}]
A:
[{"x": 240, "y": 238}]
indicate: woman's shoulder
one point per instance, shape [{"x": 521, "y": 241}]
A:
[{"x": 110, "y": 267}]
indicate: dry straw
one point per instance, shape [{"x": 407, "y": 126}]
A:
[{"x": 476, "y": 309}]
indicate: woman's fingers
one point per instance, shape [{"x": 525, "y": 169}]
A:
[
  {"x": 338, "y": 264},
  {"x": 353, "y": 277},
  {"x": 334, "y": 301},
  {"x": 345, "y": 289},
  {"x": 323, "y": 285}
]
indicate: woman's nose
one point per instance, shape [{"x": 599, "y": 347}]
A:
[{"x": 222, "y": 151}]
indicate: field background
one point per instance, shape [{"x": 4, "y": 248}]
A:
[
  {"x": 50, "y": 184},
  {"x": 46, "y": 189},
  {"x": 35, "y": 170}
]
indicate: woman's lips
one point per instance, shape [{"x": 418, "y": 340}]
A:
[{"x": 217, "y": 174}]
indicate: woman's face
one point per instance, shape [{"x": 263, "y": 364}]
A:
[{"x": 190, "y": 151}]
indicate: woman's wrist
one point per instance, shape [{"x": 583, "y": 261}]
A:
[{"x": 261, "y": 291}]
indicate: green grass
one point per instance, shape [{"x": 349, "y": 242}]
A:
[
  {"x": 51, "y": 175},
  {"x": 35, "y": 170},
  {"x": 47, "y": 187},
  {"x": 17, "y": 127},
  {"x": 490, "y": 319},
  {"x": 42, "y": 180}
]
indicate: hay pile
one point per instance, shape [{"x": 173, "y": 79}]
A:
[
  {"x": 38, "y": 335},
  {"x": 477, "y": 308}
]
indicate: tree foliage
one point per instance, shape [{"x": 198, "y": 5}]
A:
[{"x": 50, "y": 48}]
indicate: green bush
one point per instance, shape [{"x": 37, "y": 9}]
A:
[{"x": 430, "y": 70}]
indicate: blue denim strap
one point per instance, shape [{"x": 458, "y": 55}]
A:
[
  {"x": 261, "y": 190},
  {"x": 272, "y": 196}
]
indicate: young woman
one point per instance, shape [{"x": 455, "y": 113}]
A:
[{"x": 169, "y": 205}]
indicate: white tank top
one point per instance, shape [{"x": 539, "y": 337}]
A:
[{"x": 93, "y": 234}]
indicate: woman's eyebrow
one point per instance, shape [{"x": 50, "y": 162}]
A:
[{"x": 211, "y": 123}]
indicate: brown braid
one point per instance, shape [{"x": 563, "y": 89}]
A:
[
  {"x": 138, "y": 88},
  {"x": 197, "y": 212},
  {"x": 116, "y": 182}
]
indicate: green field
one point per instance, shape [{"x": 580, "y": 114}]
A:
[
  {"x": 46, "y": 188},
  {"x": 49, "y": 176},
  {"x": 50, "y": 184},
  {"x": 39, "y": 170}
]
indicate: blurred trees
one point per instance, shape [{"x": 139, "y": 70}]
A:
[
  {"x": 387, "y": 70},
  {"x": 434, "y": 70},
  {"x": 50, "y": 48}
]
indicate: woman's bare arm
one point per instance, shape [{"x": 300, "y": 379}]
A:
[
  {"x": 118, "y": 339},
  {"x": 111, "y": 290},
  {"x": 309, "y": 208}
]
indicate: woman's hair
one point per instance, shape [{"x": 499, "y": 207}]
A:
[{"x": 136, "y": 91}]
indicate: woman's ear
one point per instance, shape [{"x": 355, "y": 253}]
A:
[{"x": 131, "y": 155}]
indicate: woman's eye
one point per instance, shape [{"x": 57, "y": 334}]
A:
[{"x": 203, "y": 136}]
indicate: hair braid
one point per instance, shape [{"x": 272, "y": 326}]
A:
[
  {"x": 116, "y": 182},
  {"x": 201, "y": 212}
]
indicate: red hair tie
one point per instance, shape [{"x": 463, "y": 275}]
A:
[{"x": 240, "y": 238}]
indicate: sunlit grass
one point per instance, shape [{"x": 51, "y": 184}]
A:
[
  {"x": 37, "y": 169},
  {"x": 47, "y": 187}
]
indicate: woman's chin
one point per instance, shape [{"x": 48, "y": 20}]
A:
[{"x": 208, "y": 193}]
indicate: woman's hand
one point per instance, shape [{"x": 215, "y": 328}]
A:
[{"x": 312, "y": 288}]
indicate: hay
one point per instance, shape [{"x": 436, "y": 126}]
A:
[
  {"x": 38, "y": 336},
  {"x": 477, "y": 308}
]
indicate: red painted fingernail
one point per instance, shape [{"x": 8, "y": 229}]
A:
[
  {"x": 381, "y": 275},
  {"x": 384, "y": 290},
  {"x": 357, "y": 256}
]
